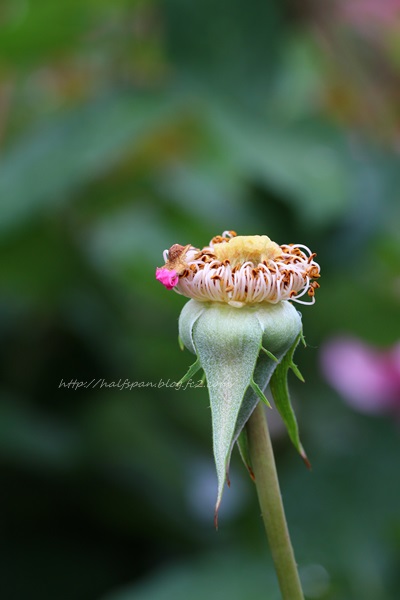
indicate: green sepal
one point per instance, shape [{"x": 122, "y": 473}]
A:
[
  {"x": 280, "y": 391},
  {"x": 297, "y": 372},
  {"x": 190, "y": 372},
  {"x": 243, "y": 446},
  {"x": 268, "y": 353},
  {"x": 228, "y": 342},
  {"x": 259, "y": 393},
  {"x": 191, "y": 312}
]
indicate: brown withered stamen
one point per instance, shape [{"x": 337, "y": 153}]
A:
[
  {"x": 259, "y": 272},
  {"x": 176, "y": 251}
]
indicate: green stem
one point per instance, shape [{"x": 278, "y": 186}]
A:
[{"x": 266, "y": 479}]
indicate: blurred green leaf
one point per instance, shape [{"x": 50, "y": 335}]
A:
[
  {"x": 311, "y": 168},
  {"x": 28, "y": 438},
  {"x": 234, "y": 50},
  {"x": 33, "y": 30},
  {"x": 230, "y": 576},
  {"x": 42, "y": 170}
]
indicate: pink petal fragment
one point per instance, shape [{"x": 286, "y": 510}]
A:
[{"x": 167, "y": 277}]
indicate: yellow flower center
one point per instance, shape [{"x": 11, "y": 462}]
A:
[{"x": 243, "y": 248}]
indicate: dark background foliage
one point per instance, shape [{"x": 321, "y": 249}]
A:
[{"x": 128, "y": 126}]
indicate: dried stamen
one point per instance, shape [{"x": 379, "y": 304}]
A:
[{"x": 241, "y": 270}]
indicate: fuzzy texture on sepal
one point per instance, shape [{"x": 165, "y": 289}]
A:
[{"x": 228, "y": 343}]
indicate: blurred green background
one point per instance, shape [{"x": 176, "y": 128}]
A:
[{"x": 125, "y": 127}]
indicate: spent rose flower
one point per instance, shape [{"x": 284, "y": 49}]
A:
[
  {"x": 241, "y": 270},
  {"x": 243, "y": 328}
]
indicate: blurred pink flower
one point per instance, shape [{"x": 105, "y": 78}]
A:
[
  {"x": 370, "y": 17},
  {"x": 366, "y": 377},
  {"x": 365, "y": 14}
]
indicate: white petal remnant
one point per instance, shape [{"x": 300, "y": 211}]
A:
[{"x": 241, "y": 270}]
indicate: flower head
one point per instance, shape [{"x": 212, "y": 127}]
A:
[
  {"x": 241, "y": 270},
  {"x": 241, "y": 351}
]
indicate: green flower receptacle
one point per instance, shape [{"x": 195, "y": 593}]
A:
[{"x": 239, "y": 349}]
